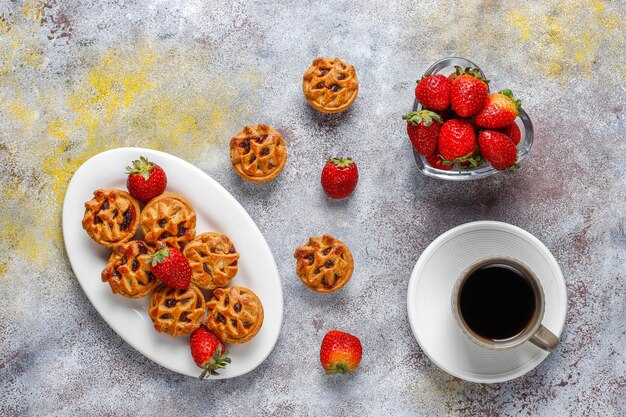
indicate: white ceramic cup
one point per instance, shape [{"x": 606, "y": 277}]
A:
[{"x": 534, "y": 331}]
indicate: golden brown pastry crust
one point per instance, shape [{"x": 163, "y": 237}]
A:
[
  {"x": 128, "y": 271},
  {"x": 330, "y": 85},
  {"x": 170, "y": 219},
  {"x": 213, "y": 259},
  {"x": 111, "y": 217},
  {"x": 258, "y": 153},
  {"x": 176, "y": 312},
  {"x": 234, "y": 314},
  {"x": 324, "y": 264}
]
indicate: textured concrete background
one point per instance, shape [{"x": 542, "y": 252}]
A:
[{"x": 77, "y": 78}]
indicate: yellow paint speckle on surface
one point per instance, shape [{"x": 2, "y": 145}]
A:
[
  {"x": 519, "y": 19},
  {"x": 18, "y": 223},
  {"x": 22, "y": 113},
  {"x": 566, "y": 45},
  {"x": 130, "y": 96},
  {"x": 561, "y": 39},
  {"x": 34, "y": 10}
]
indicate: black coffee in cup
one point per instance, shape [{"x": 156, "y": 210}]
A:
[{"x": 497, "y": 302}]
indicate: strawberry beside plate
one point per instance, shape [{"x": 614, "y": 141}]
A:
[{"x": 217, "y": 210}]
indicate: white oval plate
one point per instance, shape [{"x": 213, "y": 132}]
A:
[
  {"x": 429, "y": 300},
  {"x": 217, "y": 211}
]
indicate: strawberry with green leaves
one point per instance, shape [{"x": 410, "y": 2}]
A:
[
  {"x": 468, "y": 91},
  {"x": 423, "y": 129},
  {"x": 498, "y": 149},
  {"x": 146, "y": 180},
  {"x": 171, "y": 267},
  {"x": 339, "y": 177},
  {"x": 340, "y": 352},
  {"x": 433, "y": 92},
  {"x": 208, "y": 351},
  {"x": 500, "y": 110},
  {"x": 457, "y": 141}
]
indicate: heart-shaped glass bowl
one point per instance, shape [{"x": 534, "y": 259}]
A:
[{"x": 446, "y": 67}]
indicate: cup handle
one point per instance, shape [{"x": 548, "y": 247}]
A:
[{"x": 544, "y": 339}]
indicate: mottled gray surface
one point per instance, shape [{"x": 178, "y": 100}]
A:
[{"x": 77, "y": 78}]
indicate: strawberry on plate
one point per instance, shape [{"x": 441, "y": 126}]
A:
[
  {"x": 340, "y": 352},
  {"x": 500, "y": 110},
  {"x": 171, "y": 267},
  {"x": 468, "y": 91},
  {"x": 512, "y": 131},
  {"x": 208, "y": 351},
  {"x": 423, "y": 129},
  {"x": 457, "y": 140},
  {"x": 498, "y": 149},
  {"x": 339, "y": 177},
  {"x": 433, "y": 92},
  {"x": 146, "y": 180}
]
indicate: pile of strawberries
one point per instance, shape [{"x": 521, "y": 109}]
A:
[{"x": 463, "y": 124}]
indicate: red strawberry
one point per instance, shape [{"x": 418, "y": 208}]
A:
[
  {"x": 512, "y": 131},
  {"x": 339, "y": 177},
  {"x": 423, "y": 129},
  {"x": 340, "y": 352},
  {"x": 146, "y": 180},
  {"x": 435, "y": 161},
  {"x": 208, "y": 351},
  {"x": 434, "y": 92},
  {"x": 500, "y": 109},
  {"x": 171, "y": 267},
  {"x": 468, "y": 92},
  {"x": 497, "y": 149},
  {"x": 457, "y": 140}
]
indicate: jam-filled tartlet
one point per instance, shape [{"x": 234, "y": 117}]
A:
[
  {"x": 330, "y": 85},
  {"x": 213, "y": 259},
  {"x": 176, "y": 312},
  {"x": 128, "y": 270},
  {"x": 234, "y": 314},
  {"x": 111, "y": 217},
  {"x": 170, "y": 219},
  {"x": 258, "y": 153},
  {"x": 324, "y": 264}
]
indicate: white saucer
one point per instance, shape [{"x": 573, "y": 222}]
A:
[{"x": 430, "y": 291}]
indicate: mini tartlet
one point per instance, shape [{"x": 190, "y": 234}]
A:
[
  {"x": 170, "y": 219},
  {"x": 111, "y": 217},
  {"x": 176, "y": 312},
  {"x": 128, "y": 270},
  {"x": 258, "y": 153},
  {"x": 234, "y": 314},
  {"x": 330, "y": 85},
  {"x": 213, "y": 259},
  {"x": 324, "y": 264}
]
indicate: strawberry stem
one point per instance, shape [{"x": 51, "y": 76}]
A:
[
  {"x": 141, "y": 166},
  {"x": 509, "y": 94},
  {"x": 513, "y": 168},
  {"x": 339, "y": 368},
  {"x": 219, "y": 360},
  {"x": 427, "y": 116},
  {"x": 473, "y": 159},
  {"x": 159, "y": 256},
  {"x": 341, "y": 162},
  {"x": 474, "y": 72}
]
